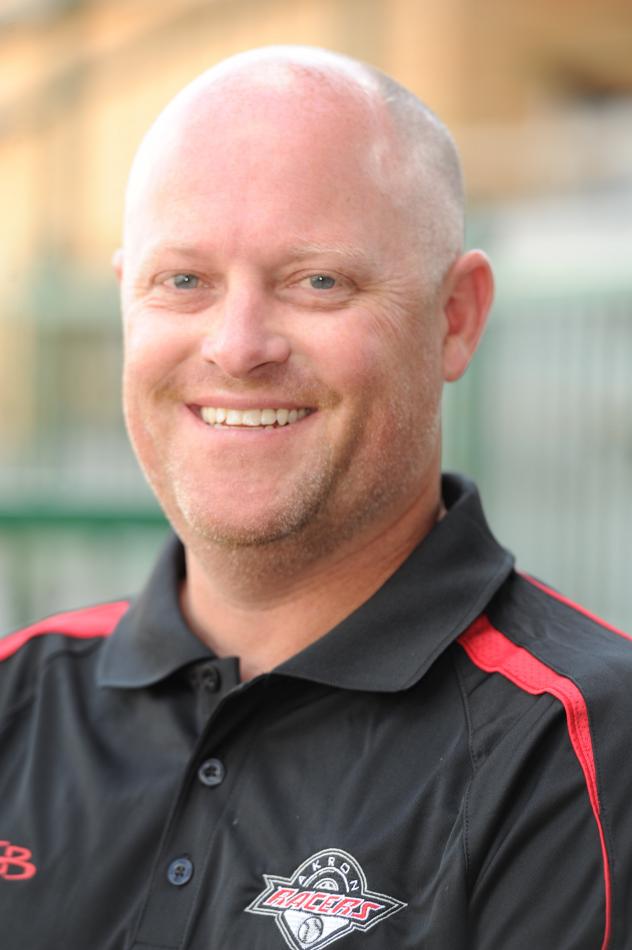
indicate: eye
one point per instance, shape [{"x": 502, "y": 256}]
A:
[
  {"x": 321, "y": 288},
  {"x": 185, "y": 281},
  {"x": 322, "y": 281}
]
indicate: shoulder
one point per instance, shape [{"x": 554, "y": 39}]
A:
[
  {"x": 528, "y": 618},
  {"x": 541, "y": 644},
  {"x": 548, "y": 689},
  {"x": 84, "y": 623},
  {"x": 27, "y": 653}
]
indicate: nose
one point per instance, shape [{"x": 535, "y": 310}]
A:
[{"x": 242, "y": 336}]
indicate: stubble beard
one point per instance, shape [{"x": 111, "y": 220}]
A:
[
  {"x": 301, "y": 504},
  {"x": 332, "y": 500},
  {"x": 336, "y": 495},
  {"x": 301, "y": 528}
]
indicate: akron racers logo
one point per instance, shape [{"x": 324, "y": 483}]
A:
[{"x": 325, "y": 899}]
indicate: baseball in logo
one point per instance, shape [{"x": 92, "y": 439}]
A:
[{"x": 325, "y": 899}]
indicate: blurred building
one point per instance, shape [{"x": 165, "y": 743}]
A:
[{"x": 539, "y": 97}]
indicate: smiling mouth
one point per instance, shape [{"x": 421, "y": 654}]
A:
[{"x": 251, "y": 418}]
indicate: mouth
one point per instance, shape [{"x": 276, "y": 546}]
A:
[{"x": 251, "y": 418}]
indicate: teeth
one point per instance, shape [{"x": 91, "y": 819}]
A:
[
  {"x": 234, "y": 417},
  {"x": 251, "y": 417}
]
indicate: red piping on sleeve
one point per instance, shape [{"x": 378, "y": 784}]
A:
[
  {"x": 96, "y": 621},
  {"x": 578, "y": 607},
  {"x": 493, "y": 652}
]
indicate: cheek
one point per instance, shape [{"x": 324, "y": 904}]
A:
[
  {"x": 153, "y": 348},
  {"x": 351, "y": 354},
  {"x": 403, "y": 371},
  {"x": 395, "y": 366}
]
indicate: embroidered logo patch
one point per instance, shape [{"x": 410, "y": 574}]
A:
[
  {"x": 14, "y": 862},
  {"x": 325, "y": 899}
]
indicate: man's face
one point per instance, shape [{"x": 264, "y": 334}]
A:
[{"x": 283, "y": 353}]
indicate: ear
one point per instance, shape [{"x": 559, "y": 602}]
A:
[
  {"x": 468, "y": 295},
  {"x": 117, "y": 263}
]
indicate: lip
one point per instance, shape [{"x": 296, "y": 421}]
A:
[{"x": 232, "y": 402}]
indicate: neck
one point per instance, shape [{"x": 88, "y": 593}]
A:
[{"x": 265, "y": 604}]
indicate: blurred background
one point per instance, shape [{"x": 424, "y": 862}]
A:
[{"x": 539, "y": 97}]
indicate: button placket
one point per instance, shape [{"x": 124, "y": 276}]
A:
[{"x": 167, "y": 916}]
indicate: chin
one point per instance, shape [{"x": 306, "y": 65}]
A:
[
  {"x": 254, "y": 530},
  {"x": 237, "y": 519},
  {"x": 242, "y": 535}
]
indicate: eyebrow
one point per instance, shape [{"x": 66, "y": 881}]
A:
[
  {"x": 297, "y": 252},
  {"x": 178, "y": 249},
  {"x": 311, "y": 249}
]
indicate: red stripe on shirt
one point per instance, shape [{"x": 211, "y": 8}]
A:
[
  {"x": 96, "y": 621},
  {"x": 578, "y": 607},
  {"x": 493, "y": 652}
]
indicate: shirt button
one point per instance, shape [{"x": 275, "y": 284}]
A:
[
  {"x": 180, "y": 871},
  {"x": 211, "y": 772},
  {"x": 211, "y": 680}
]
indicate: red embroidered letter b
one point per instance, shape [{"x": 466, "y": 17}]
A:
[{"x": 14, "y": 862}]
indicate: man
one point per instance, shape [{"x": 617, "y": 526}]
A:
[{"x": 336, "y": 713}]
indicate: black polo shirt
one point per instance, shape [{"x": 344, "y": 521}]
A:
[{"x": 448, "y": 768}]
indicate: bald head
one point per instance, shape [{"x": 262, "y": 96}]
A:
[{"x": 405, "y": 148}]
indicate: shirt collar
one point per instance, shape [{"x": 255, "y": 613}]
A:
[
  {"x": 387, "y": 644},
  {"x": 152, "y": 639}
]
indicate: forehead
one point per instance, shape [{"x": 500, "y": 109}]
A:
[{"x": 277, "y": 155}]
